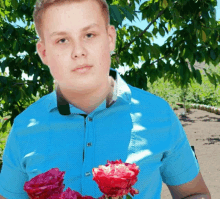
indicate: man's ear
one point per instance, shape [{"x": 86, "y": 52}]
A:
[
  {"x": 112, "y": 37},
  {"x": 41, "y": 50}
]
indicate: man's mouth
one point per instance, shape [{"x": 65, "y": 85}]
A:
[{"x": 81, "y": 67}]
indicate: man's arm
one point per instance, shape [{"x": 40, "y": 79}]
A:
[
  {"x": 200, "y": 196},
  {"x": 194, "y": 189},
  {"x": 1, "y": 197}
]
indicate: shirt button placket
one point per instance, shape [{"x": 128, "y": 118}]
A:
[
  {"x": 88, "y": 145},
  {"x": 90, "y": 120}
]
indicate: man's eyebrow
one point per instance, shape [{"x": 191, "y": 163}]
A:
[{"x": 82, "y": 30}]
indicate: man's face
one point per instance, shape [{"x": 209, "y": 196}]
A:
[{"x": 65, "y": 52}]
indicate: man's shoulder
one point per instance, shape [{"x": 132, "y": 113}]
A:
[
  {"x": 145, "y": 97},
  {"x": 36, "y": 109}
]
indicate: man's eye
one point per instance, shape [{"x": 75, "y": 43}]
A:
[
  {"x": 61, "y": 40},
  {"x": 91, "y": 34}
]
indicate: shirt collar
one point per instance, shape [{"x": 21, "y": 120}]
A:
[{"x": 121, "y": 90}]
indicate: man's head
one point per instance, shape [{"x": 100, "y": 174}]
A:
[
  {"x": 42, "y": 5},
  {"x": 66, "y": 42}
]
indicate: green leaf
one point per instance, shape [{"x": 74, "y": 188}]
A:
[
  {"x": 15, "y": 45},
  {"x": 212, "y": 54},
  {"x": 30, "y": 89},
  {"x": 190, "y": 55},
  {"x": 164, "y": 4},
  {"x": 142, "y": 58},
  {"x": 183, "y": 53},
  {"x": 128, "y": 197},
  {"x": 212, "y": 79},
  {"x": 193, "y": 71},
  {"x": 145, "y": 50},
  {"x": 175, "y": 55},
  {"x": 137, "y": 39},
  {"x": 14, "y": 4},
  {"x": 4, "y": 126},
  {"x": 148, "y": 34},
  {"x": 218, "y": 78},
  {"x": 155, "y": 31},
  {"x": 29, "y": 3},
  {"x": 2, "y": 4},
  {"x": 181, "y": 70},
  {"x": 31, "y": 71},
  {"x": 169, "y": 27},
  {"x": 18, "y": 95},
  {"x": 214, "y": 45},
  {"x": 9, "y": 31},
  {"x": 198, "y": 77},
  {"x": 128, "y": 15},
  {"x": 2, "y": 101},
  {"x": 161, "y": 31},
  {"x": 3, "y": 65},
  {"x": 199, "y": 57},
  {"x": 24, "y": 7},
  {"x": 43, "y": 80},
  {"x": 3, "y": 80},
  {"x": 169, "y": 39},
  {"x": 7, "y": 3},
  {"x": 167, "y": 67},
  {"x": 2, "y": 14},
  {"x": 35, "y": 77},
  {"x": 116, "y": 13},
  {"x": 204, "y": 36},
  {"x": 10, "y": 99},
  {"x": 155, "y": 52}
]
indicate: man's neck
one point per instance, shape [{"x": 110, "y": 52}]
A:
[{"x": 91, "y": 101}]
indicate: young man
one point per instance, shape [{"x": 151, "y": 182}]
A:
[{"x": 93, "y": 115}]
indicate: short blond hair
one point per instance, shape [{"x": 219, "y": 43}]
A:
[{"x": 42, "y": 5}]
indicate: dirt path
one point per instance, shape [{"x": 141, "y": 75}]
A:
[{"x": 203, "y": 132}]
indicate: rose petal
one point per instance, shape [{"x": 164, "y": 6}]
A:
[{"x": 116, "y": 178}]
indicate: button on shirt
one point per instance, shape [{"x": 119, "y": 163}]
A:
[{"x": 134, "y": 126}]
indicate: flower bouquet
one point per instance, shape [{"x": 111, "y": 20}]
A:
[{"x": 115, "y": 179}]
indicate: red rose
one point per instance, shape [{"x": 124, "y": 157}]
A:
[
  {"x": 46, "y": 185},
  {"x": 69, "y": 194},
  {"x": 116, "y": 178}
]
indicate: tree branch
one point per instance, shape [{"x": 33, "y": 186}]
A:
[
  {"x": 164, "y": 57},
  {"x": 141, "y": 34},
  {"x": 157, "y": 60}
]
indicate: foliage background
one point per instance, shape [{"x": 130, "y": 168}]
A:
[{"x": 205, "y": 94}]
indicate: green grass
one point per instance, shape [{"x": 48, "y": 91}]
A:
[{"x": 198, "y": 94}]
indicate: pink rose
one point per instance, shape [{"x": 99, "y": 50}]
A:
[
  {"x": 46, "y": 185},
  {"x": 116, "y": 178}
]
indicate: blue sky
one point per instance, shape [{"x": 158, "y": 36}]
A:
[{"x": 141, "y": 24}]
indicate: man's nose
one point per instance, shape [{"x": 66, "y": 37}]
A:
[{"x": 78, "y": 50}]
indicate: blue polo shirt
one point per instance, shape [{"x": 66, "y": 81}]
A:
[{"x": 138, "y": 127}]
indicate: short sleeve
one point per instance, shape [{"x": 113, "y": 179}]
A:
[
  {"x": 12, "y": 178},
  {"x": 179, "y": 163}
]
